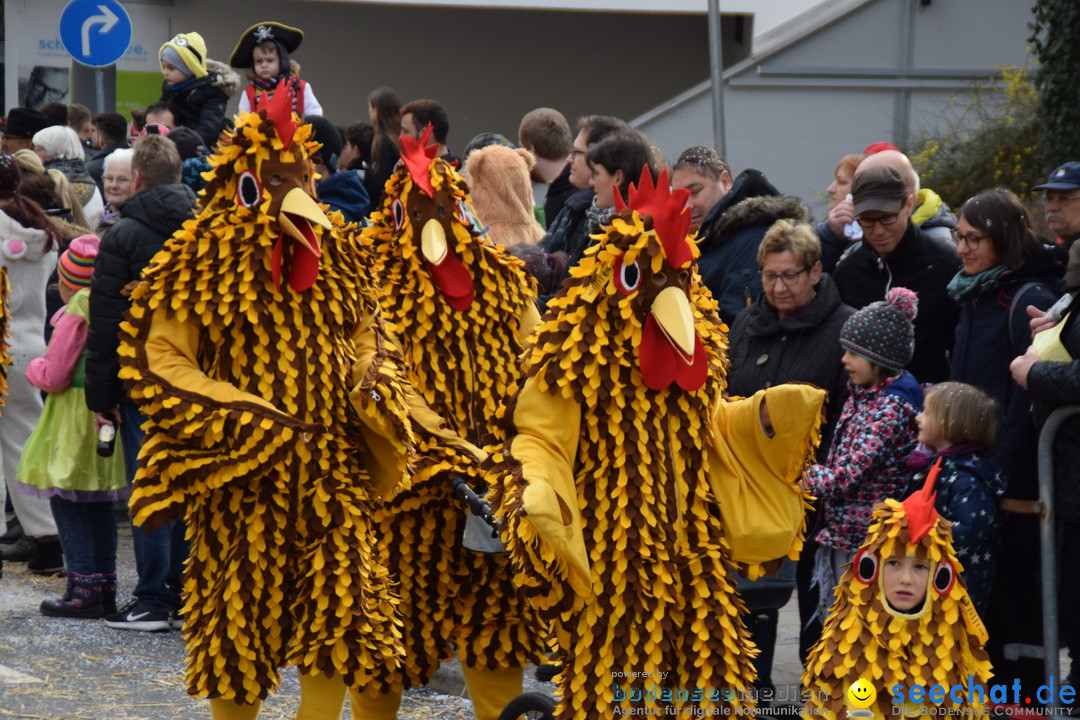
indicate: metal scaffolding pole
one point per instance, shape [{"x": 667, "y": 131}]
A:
[{"x": 716, "y": 63}]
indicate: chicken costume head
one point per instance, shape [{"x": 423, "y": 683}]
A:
[
  {"x": 639, "y": 288},
  {"x": 425, "y": 218},
  {"x": 937, "y": 642},
  {"x": 263, "y": 175}
]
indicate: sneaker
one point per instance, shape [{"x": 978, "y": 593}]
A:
[
  {"x": 176, "y": 619},
  {"x": 133, "y": 616}
]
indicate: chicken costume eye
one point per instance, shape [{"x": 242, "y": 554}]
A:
[
  {"x": 866, "y": 566},
  {"x": 399, "y": 213},
  {"x": 248, "y": 189},
  {"x": 944, "y": 577},
  {"x": 627, "y": 277}
]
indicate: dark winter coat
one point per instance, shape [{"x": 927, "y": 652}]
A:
[
  {"x": 867, "y": 461},
  {"x": 767, "y": 350},
  {"x": 558, "y": 191},
  {"x": 569, "y": 233},
  {"x": 922, "y": 264},
  {"x": 200, "y": 104},
  {"x": 989, "y": 334},
  {"x": 344, "y": 191},
  {"x": 375, "y": 178},
  {"x": 730, "y": 236},
  {"x": 969, "y": 489},
  {"x": 148, "y": 219},
  {"x": 1056, "y": 384}
]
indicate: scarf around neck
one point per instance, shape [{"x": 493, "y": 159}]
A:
[{"x": 964, "y": 286}]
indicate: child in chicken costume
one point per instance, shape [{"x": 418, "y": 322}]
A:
[
  {"x": 937, "y": 642},
  {"x": 461, "y": 308},
  {"x": 277, "y": 413},
  {"x": 626, "y": 467}
]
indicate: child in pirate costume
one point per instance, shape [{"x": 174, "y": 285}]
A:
[
  {"x": 902, "y": 617},
  {"x": 462, "y": 309},
  {"x": 263, "y": 51},
  {"x": 630, "y": 485},
  {"x": 277, "y": 415}
]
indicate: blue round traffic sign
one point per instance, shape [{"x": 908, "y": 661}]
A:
[{"x": 95, "y": 32}]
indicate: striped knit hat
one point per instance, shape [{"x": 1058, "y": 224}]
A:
[
  {"x": 77, "y": 262},
  {"x": 883, "y": 332}
]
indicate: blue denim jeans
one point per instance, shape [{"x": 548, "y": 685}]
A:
[
  {"x": 159, "y": 555},
  {"x": 87, "y": 534}
]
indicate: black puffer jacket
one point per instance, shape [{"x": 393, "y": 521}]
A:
[
  {"x": 730, "y": 236},
  {"x": 200, "y": 105},
  {"x": 767, "y": 350},
  {"x": 920, "y": 263},
  {"x": 1056, "y": 384},
  {"x": 147, "y": 220}
]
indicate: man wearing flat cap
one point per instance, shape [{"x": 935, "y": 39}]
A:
[
  {"x": 896, "y": 253},
  {"x": 19, "y": 127}
]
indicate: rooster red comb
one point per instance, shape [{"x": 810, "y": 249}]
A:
[
  {"x": 279, "y": 109},
  {"x": 919, "y": 507},
  {"x": 670, "y": 218},
  {"x": 417, "y": 156}
]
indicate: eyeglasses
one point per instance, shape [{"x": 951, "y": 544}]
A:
[
  {"x": 1061, "y": 199},
  {"x": 971, "y": 240},
  {"x": 116, "y": 178},
  {"x": 575, "y": 152},
  {"x": 884, "y": 220},
  {"x": 789, "y": 277}
]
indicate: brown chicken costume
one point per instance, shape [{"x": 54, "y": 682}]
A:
[
  {"x": 249, "y": 333},
  {"x": 936, "y": 643},
  {"x": 461, "y": 309},
  {"x": 623, "y": 455}
]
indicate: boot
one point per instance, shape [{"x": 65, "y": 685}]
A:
[
  {"x": 19, "y": 551},
  {"x": 82, "y": 599},
  {"x": 48, "y": 557},
  {"x": 14, "y": 531},
  {"x": 107, "y": 583}
]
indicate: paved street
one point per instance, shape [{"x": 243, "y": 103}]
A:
[{"x": 53, "y": 669}]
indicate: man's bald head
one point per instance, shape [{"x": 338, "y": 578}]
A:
[{"x": 896, "y": 159}]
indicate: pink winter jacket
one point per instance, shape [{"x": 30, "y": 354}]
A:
[{"x": 52, "y": 373}]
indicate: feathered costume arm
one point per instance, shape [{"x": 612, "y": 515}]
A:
[
  {"x": 537, "y": 497},
  {"x": 756, "y": 475},
  {"x": 210, "y": 432}
]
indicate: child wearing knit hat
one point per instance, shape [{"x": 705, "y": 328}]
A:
[
  {"x": 874, "y": 436},
  {"x": 62, "y": 461},
  {"x": 196, "y": 89}
]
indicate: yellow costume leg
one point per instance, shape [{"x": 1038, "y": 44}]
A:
[
  {"x": 321, "y": 697},
  {"x": 491, "y": 690},
  {"x": 221, "y": 709},
  {"x": 370, "y": 704}
]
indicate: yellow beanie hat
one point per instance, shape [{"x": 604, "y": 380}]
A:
[{"x": 192, "y": 50}]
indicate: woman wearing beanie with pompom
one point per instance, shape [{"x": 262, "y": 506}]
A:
[{"x": 874, "y": 435}]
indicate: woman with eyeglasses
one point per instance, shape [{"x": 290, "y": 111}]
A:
[
  {"x": 790, "y": 334},
  {"x": 1005, "y": 269}
]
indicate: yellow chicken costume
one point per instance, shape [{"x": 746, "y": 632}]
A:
[
  {"x": 461, "y": 308},
  {"x": 939, "y": 642},
  {"x": 623, "y": 459},
  {"x": 277, "y": 413}
]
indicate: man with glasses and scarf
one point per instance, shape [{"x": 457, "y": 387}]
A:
[{"x": 894, "y": 252}]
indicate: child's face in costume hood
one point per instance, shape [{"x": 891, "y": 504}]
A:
[{"x": 904, "y": 580}]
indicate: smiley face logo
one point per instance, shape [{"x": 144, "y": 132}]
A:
[{"x": 862, "y": 694}]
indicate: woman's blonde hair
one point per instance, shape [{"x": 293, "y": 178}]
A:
[{"x": 967, "y": 414}]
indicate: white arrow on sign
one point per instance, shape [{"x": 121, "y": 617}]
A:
[{"x": 106, "y": 20}]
